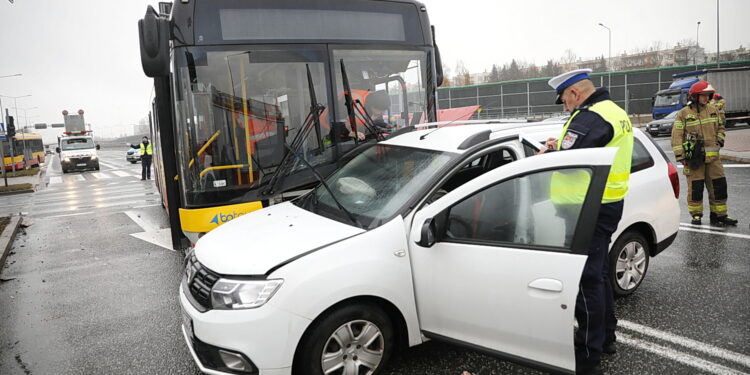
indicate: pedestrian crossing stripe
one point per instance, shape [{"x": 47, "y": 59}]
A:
[{"x": 94, "y": 176}]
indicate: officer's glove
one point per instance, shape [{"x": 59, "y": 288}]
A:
[{"x": 721, "y": 142}]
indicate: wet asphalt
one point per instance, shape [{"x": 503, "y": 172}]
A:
[{"x": 80, "y": 295}]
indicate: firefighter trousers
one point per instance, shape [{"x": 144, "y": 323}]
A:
[{"x": 711, "y": 177}]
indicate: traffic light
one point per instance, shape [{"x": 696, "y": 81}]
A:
[{"x": 11, "y": 128}]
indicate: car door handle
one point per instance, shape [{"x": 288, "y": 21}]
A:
[{"x": 550, "y": 285}]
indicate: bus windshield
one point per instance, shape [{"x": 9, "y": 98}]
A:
[{"x": 236, "y": 107}]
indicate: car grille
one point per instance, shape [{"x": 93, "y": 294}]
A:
[
  {"x": 80, "y": 160},
  {"x": 200, "y": 280}
]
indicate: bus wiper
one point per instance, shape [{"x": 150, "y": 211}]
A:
[
  {"x": 312, "y": 120},
  {"x": 351, "y": 106},
  {"x": 328, "y": 188}
]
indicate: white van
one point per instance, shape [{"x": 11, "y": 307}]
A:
[{"x": 78, "y": 153}]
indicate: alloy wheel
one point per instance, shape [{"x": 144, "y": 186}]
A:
[
  {"x": 355, "y": 348},
  {"x": 631, "y": 265}
]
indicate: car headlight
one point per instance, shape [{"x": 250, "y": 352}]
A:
[
  {"x": 66, "y": 160},
  {"x": 242, "y": 294},
  {"x": 94, "y": 157}
]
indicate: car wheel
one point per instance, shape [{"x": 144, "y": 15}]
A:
[
  {"x": 628, "y": 263},
  {"x": 356, "y": 339},
  {"x": 97, "y": 167},
  {"x": 132, "y": 162}
]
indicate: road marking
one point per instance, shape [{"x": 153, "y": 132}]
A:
[
  {"x": 76, "y": 214},
  {"x": 736, "y": 235},
  {"x": 112, "y": 166},
  {"x": 122, "y": 173},
  {"x": 676, "y": 356},
  {"x": 151, "y": 232},
  {"x": 711, "y": 350},
  {"x": 55, "y": 180},
  {"x": 101, "y": 176}
]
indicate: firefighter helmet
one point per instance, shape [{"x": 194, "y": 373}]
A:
[
  {"x": 701, "y": 87},
  {"x": 717, "y": 96}
]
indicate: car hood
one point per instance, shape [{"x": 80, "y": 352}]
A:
[
  {"x": 256, "y": 242},
  {"x": 662, "y": 121}
]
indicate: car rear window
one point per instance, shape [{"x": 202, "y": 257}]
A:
[{"x": 641, "y": 157}]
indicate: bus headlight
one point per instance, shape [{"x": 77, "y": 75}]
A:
[{"x": 242, "y": 294}]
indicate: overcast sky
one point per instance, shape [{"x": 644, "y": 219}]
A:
[{"x": 84, "y": 53}]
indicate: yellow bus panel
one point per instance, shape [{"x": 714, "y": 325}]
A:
[{"x": 205, "y": 219}]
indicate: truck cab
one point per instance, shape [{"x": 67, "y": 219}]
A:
[
  {"x": 673, "y": 98},
  {"x": 78, "y": 153}
]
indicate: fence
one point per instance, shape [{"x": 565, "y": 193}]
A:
[{"x": 632, "y": 90}]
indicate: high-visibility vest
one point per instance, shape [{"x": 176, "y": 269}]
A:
[
  {"x": 146, "y": 150},
  {"x": 571, "y": 187}
]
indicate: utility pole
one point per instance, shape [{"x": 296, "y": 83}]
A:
[{"x": 718, "y": 53}]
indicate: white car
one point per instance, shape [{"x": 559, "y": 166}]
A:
[{"x": 446, "y": 234}]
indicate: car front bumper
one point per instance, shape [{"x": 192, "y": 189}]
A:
[
  {"x": 267, "y": 336},
  {"x": 133, "y": 157},
  {"x": 76, "y": 163}
]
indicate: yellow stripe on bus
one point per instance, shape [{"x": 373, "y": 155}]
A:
[{"x": 205, "y": 219}]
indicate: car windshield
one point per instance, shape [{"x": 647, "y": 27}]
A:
[
  {"x": 76, "y": 144},
  {"x": 667, "y": 100},
  {"x": 376, "y": 185}
]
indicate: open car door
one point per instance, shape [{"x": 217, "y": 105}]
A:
[{"x": 497, "y": 261}]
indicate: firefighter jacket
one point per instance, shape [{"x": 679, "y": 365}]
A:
[
  {"x": 719, "y": 104},
  {"x": 698, "y": 123}
]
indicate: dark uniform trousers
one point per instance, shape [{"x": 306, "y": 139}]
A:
[
  {"x": 594, "y": 305},
  {"x": 146, "y": 166}
]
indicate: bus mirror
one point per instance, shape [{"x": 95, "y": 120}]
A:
[
  {"x": 154, "y": 33},
  {"x": 98, "y": 147},
  {"x": 438, "y": 60},
  {"x": 57, "y": 150}
]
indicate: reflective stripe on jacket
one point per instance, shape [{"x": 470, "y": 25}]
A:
[
  {"x": 693, "y": 124},
  {"x": 571, "y": 187},
  {"x": 146, "y": 150}
]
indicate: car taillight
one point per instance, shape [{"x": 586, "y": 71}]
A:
[{"x": 673, "y": 178}]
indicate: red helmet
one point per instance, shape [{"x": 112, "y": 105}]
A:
[{"x": 701, "y": 87}]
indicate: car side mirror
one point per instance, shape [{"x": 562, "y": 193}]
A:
[
  {"x": 98, "y": 147},
  {"x": 427, "y": 234},
  {"x": 57, "y": 150}
]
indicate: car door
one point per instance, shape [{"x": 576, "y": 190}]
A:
[{"x": 496, "y": 263}]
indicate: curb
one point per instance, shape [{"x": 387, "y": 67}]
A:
[
  {"x": 7, "y": 237},
  {"x": 736, "y": 159},
  {"x": 15, "y": 192}
]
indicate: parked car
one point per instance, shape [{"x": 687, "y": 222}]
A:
[
  {"x": 443, "y": 233},
  {"x": 662, "y": 126},
  {"x": 133, "y": 155}
]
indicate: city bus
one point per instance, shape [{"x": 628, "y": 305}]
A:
[
  {"x": 255, "y": 101},
  {"x": 28, "y": 151}
]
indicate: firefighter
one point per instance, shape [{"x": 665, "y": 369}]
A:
[
  {"x": 697, "y": 136},
  {"x": 719, "y": 102},
  {"x": 595, "y": 121}
]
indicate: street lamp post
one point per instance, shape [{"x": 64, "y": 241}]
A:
[
  {"x": 2, "y": 115},
  {"x": 697, "y": 45},
  {"x": 718, "y": 54},
  {"x": 609, "y": 78}
]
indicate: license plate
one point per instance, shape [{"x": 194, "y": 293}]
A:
[
  {"x": 187, "y": 323},
  {"x": 81, "y": 164}
]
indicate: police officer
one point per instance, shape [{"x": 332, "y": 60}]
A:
[
  {"x": 697, "y": 136},
  {"x": 146, "y": 157},
  {"x": 595, "y": 121}
]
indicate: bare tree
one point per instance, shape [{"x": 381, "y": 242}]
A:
[{"x": 462, "y": 74}]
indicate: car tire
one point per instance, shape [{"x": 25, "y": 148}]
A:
[
  {"x": 96, "y": 167},
  {"x": 133, "y": 162},
  {"x": 628, "y": 263},
  {"x": 355, "y": 336}
]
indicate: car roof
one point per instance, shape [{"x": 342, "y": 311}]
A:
[{"x": 459, "y": 137}]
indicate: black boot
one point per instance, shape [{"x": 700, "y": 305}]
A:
[
  {"x": 723, "y": 220},
  {"x": 696, "y": 220},
  {"x": 609, "y": 348}
]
